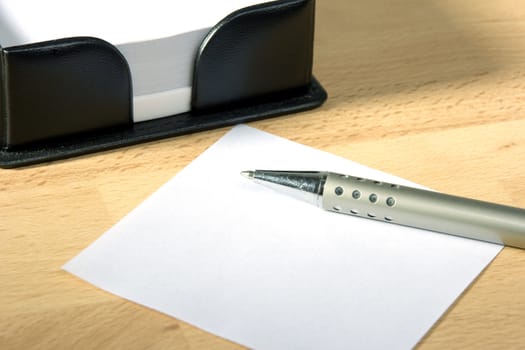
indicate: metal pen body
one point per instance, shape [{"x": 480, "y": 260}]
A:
[
  {"x": 425, "y": 209},
  {"x": 402, "y": 205}
]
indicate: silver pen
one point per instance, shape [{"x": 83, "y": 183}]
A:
[{"x": 402, "y": 205}]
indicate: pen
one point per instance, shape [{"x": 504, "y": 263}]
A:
[{"x": 402, "y": 205}]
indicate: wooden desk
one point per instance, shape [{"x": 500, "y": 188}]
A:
[{"x": 433, "y": 91}]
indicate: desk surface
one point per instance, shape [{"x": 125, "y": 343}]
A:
[{"x": 433, "y": 91}]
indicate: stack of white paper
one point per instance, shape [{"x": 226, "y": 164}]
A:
[
  {"x": 271, "y": 272},
  {"x": 158, "y": 38}
]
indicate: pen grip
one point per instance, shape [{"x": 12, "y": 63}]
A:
[{"x": 425, "y": 209}]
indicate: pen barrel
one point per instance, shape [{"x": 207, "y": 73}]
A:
[{"x": 424, "y": 209}]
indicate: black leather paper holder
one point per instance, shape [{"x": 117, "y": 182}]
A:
[{"x": 73, "y": 96}]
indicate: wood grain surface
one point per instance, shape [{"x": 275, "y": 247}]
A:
[{"x": 433, "y": 91}]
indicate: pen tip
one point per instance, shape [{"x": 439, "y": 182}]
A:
[{"x": 247, "y": 174}]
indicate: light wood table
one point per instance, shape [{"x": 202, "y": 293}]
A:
[{"x": 433, "y": 91}]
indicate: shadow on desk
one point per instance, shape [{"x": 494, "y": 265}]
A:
[{"x": 366, "y": 48}]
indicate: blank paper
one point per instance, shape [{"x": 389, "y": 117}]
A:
[{"x": 270, "y": 272}]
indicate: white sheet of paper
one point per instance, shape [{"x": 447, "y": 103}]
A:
[
  {"x": 270, "y": 272},
  {"x": 119, "y": 22}
]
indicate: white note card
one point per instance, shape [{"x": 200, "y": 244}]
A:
[{"x": 267, "y": 271}]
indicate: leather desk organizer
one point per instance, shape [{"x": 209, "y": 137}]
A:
[{"x": 73, "y": 96}]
